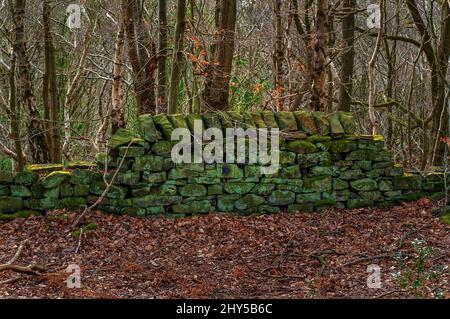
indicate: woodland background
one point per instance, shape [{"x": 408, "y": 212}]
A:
[{"x": 64, "y": 91}]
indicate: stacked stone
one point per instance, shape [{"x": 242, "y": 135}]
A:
[{"x": 322, "y": 164}]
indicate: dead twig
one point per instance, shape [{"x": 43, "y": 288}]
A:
[
  {"x": 31, "y": 269},
  {"x": 108, "y": 186}
]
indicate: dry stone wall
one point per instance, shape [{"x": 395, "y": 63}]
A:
[{"x": 323, "y": 163}]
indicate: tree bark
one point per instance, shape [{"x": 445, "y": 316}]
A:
[
  {"x": 162, "y": 57},
  {"x": 50, "y": 87},
  {"x": 216, "y": 91},
  {"x": 278, "y": 56},
  {"x": 318, "y": 96},
  {"x": 140, "y": 65},
  {"x": 38, "y": 148},
  {"x": 178, "y": 59},
  {"x": 117, "y": 113},
  {"x": 15, "y": 122},
  {"x": 348, "y": 57},
  {"x": 371, "y": 75}
]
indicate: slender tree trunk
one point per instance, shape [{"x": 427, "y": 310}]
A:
[
  {"x": 216, "y": 91},
  {"x": 15, "y": 122},
  {"x": 117, "y": 113},
  {"x": 50, "y": 87},
  {"x": 178, "y": 59},
  {"x": 318, "y": 96},
  {"x": 162, "y": 57},
  {"x": 36, "y": 136},
  {"x": 348, "y": 57},
  {"x": 278, "y": 55},
  {"x": 305, "y": 35},
  {"x": 371, "y": 75},
  {"x": 147, "y": 58},
  {"x": 140, "y": 65}
]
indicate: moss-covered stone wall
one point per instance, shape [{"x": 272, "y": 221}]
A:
[{"x": 323, "y": 163}]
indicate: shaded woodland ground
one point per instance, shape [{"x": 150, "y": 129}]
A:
[{"x": 321, "y": 255}]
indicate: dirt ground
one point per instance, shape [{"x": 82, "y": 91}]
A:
[{"x": 320, "y": 255}]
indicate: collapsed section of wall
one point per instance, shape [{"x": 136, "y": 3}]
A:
[{"x": 323, "y": 163}]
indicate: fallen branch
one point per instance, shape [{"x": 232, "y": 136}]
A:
[{"x": 31, "y": 269}]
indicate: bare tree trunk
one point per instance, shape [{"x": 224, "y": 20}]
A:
[
  {"x": 304, "y": 32},
  {"x": 437, "y": 58},
  {"x": 278, "y": 56},
  {"x": 216, "y": 91},
  {"x": 140, "y": 65},
  {"x": 50, "y": 87},
  {"x": 147, "y": 57},
  {"x": 371, "y": 76},
  {"x": 117, "y": 113},
  {"x": 318, "y": 96},
  {"x": 36, "y": 136},
  {"x": 162, "y": 57},
  {"x": 348, "y": 36},
  {"x": 177, "y": 57},
  {"x": 15, "y": 122}
]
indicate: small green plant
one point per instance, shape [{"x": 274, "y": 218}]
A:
[
  {"x": 415, "y": 276},
  {"x": 86, "y": 229}
]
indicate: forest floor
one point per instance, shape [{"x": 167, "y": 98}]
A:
[{"x": 323, "y": 255}]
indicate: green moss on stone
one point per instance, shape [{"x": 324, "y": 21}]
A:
[
  {"x": 120, "y": 138},
  {"x": 215, "y": 190},
  {"x": 281, "y": 198},
  {"x": 317, "y": 184},
  {"x": 193, "y": 190},
  {"x": 154, "y": 178},
  {"x": 226, "y": 170},
  {"x": 302, "y": 147},
  {"x": 305, "y": 122},
  {"x": 26, "y": 178},
  {"x": 225, "y": 203},
  {"x": 163, "y": 124},
  {"x": 6, "y": 177},
  {"x": 191, "y": 119},
  {"x": 351, "y": 174},
  {"x": 249, "y": 122},
  {"x": 339, "y": 184},
  {"x": 212, "y": 120},
  {"x": 178, "y": 121},
  {"x": 249, "y": 201},
  {"x": 286, "y": 121},
  {"x": 291, "y": 172},
  {"x": 259, "y": 122},
  {"x": 55, "y": 179},
  {"x": 322, "y": 123},
  {"x": 269, "y": 119},
  {"x": 348, "y": 122},
  {"x": 163, "y": 148},
  {"x": 408, "y": 182},
  {"x": 238, "y": 188},
  {"x": 336, "y": 127},
  {"x": 364, "y": 184},
  {"x": 193, "y": 207},
  {"x": 73, "y": 202},
  {"x": 147, "y": 128},
  {"x": 43, "y": 167},
  {"x": 20, "y": 191},
  {"x": 10, "y": 204},
  {"x": 308, "y": 198}
]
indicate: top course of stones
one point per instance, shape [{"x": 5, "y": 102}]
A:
[{"x": 296, "y": 125}]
